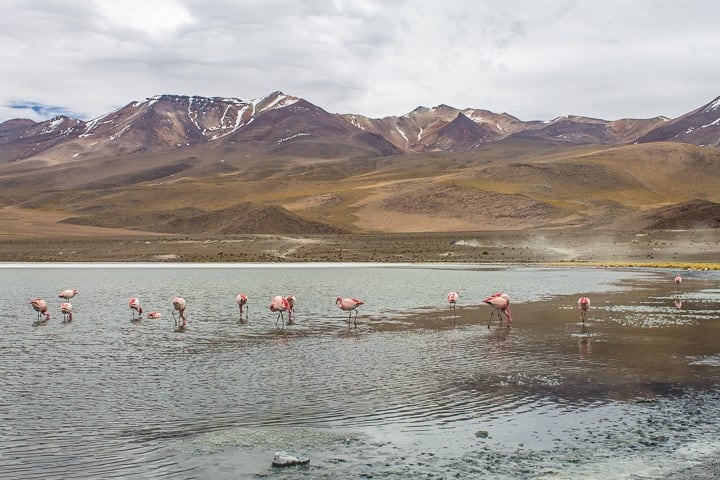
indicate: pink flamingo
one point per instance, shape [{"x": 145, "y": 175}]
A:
[
  {"x": 154, "y": 315},
  {"x": 501, "y": 304},
  {"x": 291, "y": 313},
  {"x": 242, "y": 300},
  {"x": 66, "y": 309},
  {"x": 135, "y": 306},
  {"x": 40, "y": 306},
  {"x": 179, "y": 304},
  {"x": 349, "y": 305},
  {"x": 452, "y": 299},
  {"x": 583, "y": 305},
  {"x": 68, "y": 294},
  {"x": 281, "y": 304},
  {"x": 678, "y": 281}
]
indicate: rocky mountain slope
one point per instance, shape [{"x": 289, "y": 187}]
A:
[
  {"x": 218, "y": 166},
  {"x": 284, "y": 125}
]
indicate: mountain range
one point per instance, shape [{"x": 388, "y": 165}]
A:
[
  {"x": 284, "y": 124},
  {"x": 281, "y": 164}
]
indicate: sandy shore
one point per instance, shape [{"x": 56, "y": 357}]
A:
[{"x": 697, "y": 248}]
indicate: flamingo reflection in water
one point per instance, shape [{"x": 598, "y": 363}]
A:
[{"x": 584, "y": 343}]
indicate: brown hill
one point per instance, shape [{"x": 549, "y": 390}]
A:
[
  {"x": 694, "y": 214},
  {"x": 507, "y": 185},
  {"x": 238, "y": 219}
]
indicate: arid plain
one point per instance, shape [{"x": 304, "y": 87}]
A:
[{"x": 40, "y": 238}]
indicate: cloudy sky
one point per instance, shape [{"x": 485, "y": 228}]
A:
[{"x": 535, "y": 59}]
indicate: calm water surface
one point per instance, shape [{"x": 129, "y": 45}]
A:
[{"x": 414, "y": 392}]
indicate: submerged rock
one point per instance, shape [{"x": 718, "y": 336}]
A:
[{"x": 284, "y": 459}]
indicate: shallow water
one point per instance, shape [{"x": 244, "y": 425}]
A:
[{"x": 415, "y": 391}]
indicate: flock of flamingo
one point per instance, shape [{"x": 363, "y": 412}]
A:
[
  {"x": 280, "y": 304},
  {"x": 500, "y": 303},
  {"x": 66, "y": 308}
]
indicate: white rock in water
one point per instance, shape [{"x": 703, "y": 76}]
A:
[{"x": 284, "y": 459}]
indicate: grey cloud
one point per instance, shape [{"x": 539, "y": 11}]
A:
[{"x": 534, "y": 59}]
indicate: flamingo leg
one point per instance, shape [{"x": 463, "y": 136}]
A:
[
  {"x": 356, "y": 314},
  {"x": 277, "y": 319},
  {"x": 491, "y": 316},
  {"x": 174, "y": 319}
]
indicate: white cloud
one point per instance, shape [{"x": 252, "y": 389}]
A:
[
  {"x": 151, "y": 17},
  {"x": 532, "y": 58}
]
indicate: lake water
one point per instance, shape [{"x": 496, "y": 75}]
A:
[{"x": 414, "y": 392}]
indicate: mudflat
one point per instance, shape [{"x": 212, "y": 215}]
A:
[{"x": 662, "y": 248}]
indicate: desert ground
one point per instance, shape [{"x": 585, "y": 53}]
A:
[
  {"x": 24, "y": 241},
  {"x": 32, "y": 236}
]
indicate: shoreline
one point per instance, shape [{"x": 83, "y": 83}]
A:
[{"x": 698, "y": 249}]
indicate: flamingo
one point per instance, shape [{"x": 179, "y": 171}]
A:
[
  {"x": 281, "y": 304},
  {"x": 291, "y": 312},
  {"x": 501, "y": 304},
  {"x": 349, "y": 305},
  {"x": 583, "y": 305},
  {"x": 154, "y": 315},
  {"x": 242, "y": 300},
  {"x": 678, "y": 281},
  {"x": 179, "y": 304},
  {"x": 40, "y": 306},
  {"x": 452, "y": 299},
  {"x": 135, "y": 306},
  {"x": 66, "y": 309},
  {"x": 68, "y": 293}
]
